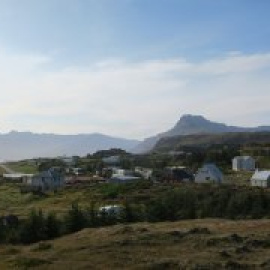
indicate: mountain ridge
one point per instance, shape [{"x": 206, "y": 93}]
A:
[
  {"x": 17, "y": 145},
  {"x": 190, "y": 124},
  {"x": 204, "y": 141}
]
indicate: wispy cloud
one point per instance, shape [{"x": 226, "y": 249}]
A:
[{"x": 131, "y": 99}]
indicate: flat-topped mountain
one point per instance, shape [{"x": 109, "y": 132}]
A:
[
  {"x": 194, "y": 124},
  {"x": 22, "y": 145}
]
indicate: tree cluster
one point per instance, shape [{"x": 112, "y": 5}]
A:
[{"x": 186, "y": 202}]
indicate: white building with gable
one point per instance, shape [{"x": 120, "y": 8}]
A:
[
  {"x": 243, "y": 163},
  {"x": 261, "y": 179}
]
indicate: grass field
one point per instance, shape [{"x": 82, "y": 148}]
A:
[
  {"x": 2, "y": 171},
  {"x": 13, "y": 202},
  {"x": 190, "y": 244},
  {"x": 22, "y": 167},
  {"x": 196, "y": 244},
  {"x": 238, "y": 178}
]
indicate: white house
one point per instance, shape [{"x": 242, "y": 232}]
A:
[
  {"x": 144, "y": 172},
  {"x": 209, "y": 173},
  {"x": 261, "y": 179},
  {"x": 243, "y": 163},
  {"x": 46, "y": 181}
]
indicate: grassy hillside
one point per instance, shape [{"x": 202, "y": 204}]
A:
[
  {"x": 206, "y": 140},
  {"x": 12, "y": 201},
  {"x": 196, "y": 244}
]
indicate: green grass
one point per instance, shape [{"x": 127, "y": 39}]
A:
[
  {"x": 12, "y": 201},
  {"x": 2, "y": 171},
  {"x": 238, "y": 178},
  {"x": 23, "y": 167}
]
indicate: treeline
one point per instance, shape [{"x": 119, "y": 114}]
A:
[
  {"x": 187, "y": 202},
  {"x": 210, "y": 202},
  {"x": 39, "y": 226}
]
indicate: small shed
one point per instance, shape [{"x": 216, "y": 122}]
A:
[
  {"x": 243, "y": 163},
  {"x": 209, "y": 173},
  {"x": 261, "y": 179}
]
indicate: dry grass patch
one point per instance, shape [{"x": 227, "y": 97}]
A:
[{"x": 191, "y": 244}]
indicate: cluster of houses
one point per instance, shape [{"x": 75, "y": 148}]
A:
[
  {"x": 260, "y": 178},
  {"x": 53, "y": 179},
  {"x": 49, "y": 180},
  {"x": 209, "y": 173}
]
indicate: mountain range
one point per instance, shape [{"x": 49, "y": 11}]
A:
[
  {"x": 194, "y": 124},
  {"x": 23, "y": 145}
]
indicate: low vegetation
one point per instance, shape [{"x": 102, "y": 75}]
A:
[
  {"x": 176, "y": 203},
  {"x": 190, "y": 244},
  {"x": 172, "y": 222}
]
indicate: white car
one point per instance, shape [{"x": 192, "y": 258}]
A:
[{"x": 111, "y": 209}]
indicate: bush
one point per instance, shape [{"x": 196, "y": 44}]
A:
[
  {"x": 75, "y": 219},
  {"x": 34, "y": 228}
]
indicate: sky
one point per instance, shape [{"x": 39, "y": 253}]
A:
[{"x": 131, "y": 68}]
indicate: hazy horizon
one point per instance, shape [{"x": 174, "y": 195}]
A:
[
  {"x": 131, "y": 68},
  {"x": 115, "y": 136}
]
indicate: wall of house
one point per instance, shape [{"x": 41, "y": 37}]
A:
[
  {"x": 206, "y": 176},
  {"x": 260, "y": 183}
]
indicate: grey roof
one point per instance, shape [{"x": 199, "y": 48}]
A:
[
  {"x": 212, "y": 167},
  {"x": 51, "y": 173},
  {"x": 261, "y": 175},
  {"x": 243, "y": 157},
  {"x": 124, "y": 177}
]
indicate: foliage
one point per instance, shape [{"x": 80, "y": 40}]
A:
[
  {"x": 217, "y": 202},
  {"x": 179, "y": 203},
  {"x": 34, "y": 228},
  {"x": 75, "y": 219},
  {"x": 46, "y": 165}
]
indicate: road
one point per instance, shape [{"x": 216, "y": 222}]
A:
[{"x": 6, "y": 168}]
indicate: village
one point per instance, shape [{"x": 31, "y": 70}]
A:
[{"x": 68, "y": 175}]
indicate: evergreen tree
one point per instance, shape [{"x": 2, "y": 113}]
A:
[
  {"x": 34, "y": 228},
  {"x": 127, "y": 213},
  {"x": 53, "y": 226},
  {"x": 75, "y": 219}
]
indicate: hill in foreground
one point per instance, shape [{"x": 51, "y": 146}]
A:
[{"x": 191, "y": 244}]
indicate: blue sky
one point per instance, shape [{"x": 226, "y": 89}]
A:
[{"x": 132, "y": 67}]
